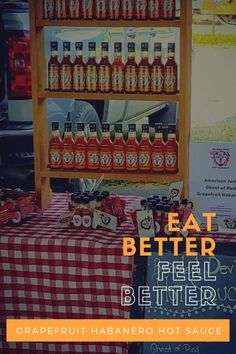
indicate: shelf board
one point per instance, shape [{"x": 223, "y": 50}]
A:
[
  {"x": 109, "y": 96},
  {"x": 128, "y": 176},
  {"x": 107, "y": 23}
]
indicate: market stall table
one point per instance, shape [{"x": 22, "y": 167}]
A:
[{"x": 47, "y": 272}]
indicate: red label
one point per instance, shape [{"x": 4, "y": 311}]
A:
[
  {"x": 145, "y": 162},
  {"x": 61, "y": 9},
  {"x": 80, "y": 159},
  {"x": 158, "y": 159},
  {"x": 55, "y": 158},
  {"x": 131, "y": 160},
  {"x": 171, "y": 160},
  {"x": 141, "y": 9},
  {"x": 93, "y": 159},
  {"x": 68, "y": 158},
  {"x": 154, "y": 7},
  {"x": 105, "y": 160},
  {"x": 119, "y": 160}
]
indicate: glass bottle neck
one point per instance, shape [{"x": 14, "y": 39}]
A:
[
  {"x": 118, "y": 55},
  {"x": 68, "y": 134},
  {"x": 132, "y": 135},
  {"x": 119, "y": 135},
  {"x": 171, "y": 136},
  {"x": 80, "y": 134},
  {"x": 145, "y": 136},
  {"x": 105, "y": 55},
  {"x": 93, "y": 135},
  {"x": 66, "y": 54},
  {"x": 79, "y": 54},
  {"x": 106, "y": 135},
  {"x": 131, "y": 56},
  {"x": 55, "y": 134},
  {"x": 171, "y": 55},
  {"x": 159, "y": 136},
  {"x": 157, "y": 55},
  {"x": 92, "y": 54},
  {"x": 54, "y": 54},
  {"x": 144, "y": 55}
]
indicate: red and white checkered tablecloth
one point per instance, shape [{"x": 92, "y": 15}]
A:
[{"x": 46, "y": 272}]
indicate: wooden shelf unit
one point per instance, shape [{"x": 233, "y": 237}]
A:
[{"x": 40, "y": 95}]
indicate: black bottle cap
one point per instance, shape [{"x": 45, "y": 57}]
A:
[
  {"x": 158, "y": 128},
  {"x": 54, "y": 46},
  {"x": 184, "y": 202},
  {"x": 80, "y": 127},
  {"x": 118, "y": 47},
  {"x": 176, "y": 203},
  {"x": 96, "y": 193},
  {"x": 144, "y": 47},
  {"x": 132, "y": 127},
  {"x": 86, "y": 193},
  {"x": 68, "y": 127},
  {"x": 156, "y": 197},
  {"x": 171, "y": 128},
  {"x": 105, "y": 127},
  {"x": 105, "y": 46},
  {"x": 171, "y": 47},
  {"x": 55, "y": 125},
  {"x": 145, "y": 128},
  {"x": 92, "y": 45},
  {"x": 118, "y": 128},
  {"x": 86, "y": 200},
  {"x": 153, "y": 204},
  {"x": 78, "y": 199},
  {"x": 93, "y": 127},
  {"x": 166, "y": 208},
  {"x": 99, "y": 198},
  {"x": 91, "y": 197},
  {"x": 66, "y": 46},
  {"x": 105, "y": 194},
  {"x": 143, "y": 202},
  {"x": 159, "y": 207},
  {"x": 157, "y": 47},
  {"x": 131, "y": 47},
  {"x": 164, "y": 197},
  {"x": 79, "y": 45}
]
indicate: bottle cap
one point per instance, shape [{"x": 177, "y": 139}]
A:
[
  {"x": 171, "y": 47},
  {"x": 166, "y": 208},
  {"x": 79, "y": 45},
  {"x": 105, "y": 127},
  {"x": 171, "y": 128},
  {"x": 99, "y": 198},
  {"x": 105, "y": 46},
  {"x": 131, "y": 47},
  {"x": 157, "y": 47},
  {"x": 92, "y": 45},
  {"x": 93, "y": 127},
  {"x": 143, "y": 202},
  {"x": 144, "y": 47},
  {"x": 118, "y": 127},
  {"x": 86, "y": 200},
  {"x": 159, "y": 207},
  {"x": 176, "y": 203},
  {"x": 132, "y": 127},
  {"x": 184, "y": 202},
  {"x": 105, "y": 194},
  {"x": 96, "y": 192},
  {"x": 118, "y": 47},
  {"x": 164, "y": 197},
  {"x": 145, "y": 128},
  {"x": 54, "y": 46},
  {"x": 158, "y": 128},
  {"x": 66, "y": 46},
  {"x": 91, "y": 197},
  {"x": 80, "y": 127},
  {"x": 68, "y": 127},
  {"x": 55, "y": 125}
]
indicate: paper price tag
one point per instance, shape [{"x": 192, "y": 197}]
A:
[
  {"x": 145, "y": 223},
  {"x": 105, "y": 220}
]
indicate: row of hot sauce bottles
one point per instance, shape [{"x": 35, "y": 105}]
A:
[
  {"x": 117, "y": 77},
  {"x": 106, "y": 155},
  {"x": 109, "y": 9}
]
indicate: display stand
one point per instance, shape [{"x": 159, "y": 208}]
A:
[{"x": 40, "y": 95}]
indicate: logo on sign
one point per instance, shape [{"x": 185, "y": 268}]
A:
[{"x": 220, "y": 157}]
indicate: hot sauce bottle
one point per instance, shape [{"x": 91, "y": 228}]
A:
[
  {"x": 141, "y": 9},
  {"x": 104, "y": 70},
  {"x": 127, "y": 9},
  {"x": 61, "y": 9},
  {"x": 131, "y": 70},
  {"x": 171, "y": 150},
  {"x": 101, "y": 9},
  {"x": 87, "y": 9},
  {"x": 171, "y": 71},
  {"x": 55, "y": 147},
  {"x": 66, "y": 69},
  {"x": 158, "y": 150},
  {"x": 144, "y": 70},
  {"x": 54, "y": 69},
  {"x": 49, "y": 9},
  {"x": 145, "y": 150},
  {"x": 132, "y": 149},
  {"x": 118, "y": 75},
  {"x": 118, "y": 149},
  {"x": 168, "y": 9},
  {"x": 74, "y": 10},
  {"x": 154, "y": 9},
  {"x": 80, "y": 148},
  {"x": 93, "y": 148},
  {"x": 157, "y": 71},
  {"x": 79, "y": 69},
  {"x": 106, "y": 148},
  {"x": 68, "y": 153},
  {"x": 114, "y": 9},
  {"x": 91, "y": 69}
]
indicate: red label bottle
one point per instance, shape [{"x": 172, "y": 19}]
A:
[
  {"x": 168, "y": 8},
  {"x": 55, "y": 148},
  {"x": 158, "y": 150},
  {"x": 171, "y": 71},
  {"x": 93, "y": 148},
  {"x": 106, "y": 148},
  {"x": 157, "y": 71},
  {"x": 145, "y": 150},
  {"x": 144, "y": 70},
  {"x": 154, "y": 9},
  {"x": 61, "y": 7},
  {"x": 132, "y": 149},
  {"x": 141, "y": 9},
  {"x": 114, "y": 9},
  {"x": 131, "y": 70},
  {"x": 118, "y": 75},
  {"x": 101, "y": 9},
  {"x": 87, "y": 9},
  {"x": 92, "y": 70},
  {"x": 49, "y": 9},
  {"x": 79, "y": 69},
  {"x": 54, "y": 69},
  {"x": 118, "y": 149},
  {"x": 68, "y": 149},
  {"x": 127, "y": 9},
  {"x": 104, "y": 70},
  {"x": 74, "y": 10},
  {"x": 66, "y": 69},
  {"x": 80, "y": 148},
  {"x": 171, "y": 150}
]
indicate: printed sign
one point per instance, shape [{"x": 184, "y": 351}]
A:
[
  {"x": 105, "y": 220},
  {"x": 145, "y": 223}
]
